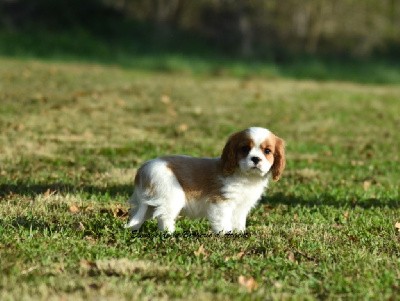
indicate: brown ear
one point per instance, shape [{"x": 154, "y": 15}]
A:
[
  {"x": 279, "y": 159},
  {"x": 228, "y": 157}
]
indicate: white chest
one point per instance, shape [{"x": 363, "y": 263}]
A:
[{"x": 243, "y": 191}]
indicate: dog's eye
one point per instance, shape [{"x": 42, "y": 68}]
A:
[
  {"x": 245, "y": 149},
  {"x": 267, "y": 151}
]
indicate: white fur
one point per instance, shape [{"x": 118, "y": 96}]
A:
[
  {"x": 167, "y": 199},
  {"x": 258, "y": 135},
  {"x": 243, "y": 193}
]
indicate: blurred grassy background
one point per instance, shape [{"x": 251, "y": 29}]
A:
[{"x": 344, "y": 40}]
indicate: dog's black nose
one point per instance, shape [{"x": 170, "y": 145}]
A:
[{"x": 255, "y": 160}]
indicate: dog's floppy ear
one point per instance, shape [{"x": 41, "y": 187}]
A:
[
  {"x": 229, "y": 154},
  {"x": 279, "y": 159}
]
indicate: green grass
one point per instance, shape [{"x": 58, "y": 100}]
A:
[{"x": 73, "y": 134}]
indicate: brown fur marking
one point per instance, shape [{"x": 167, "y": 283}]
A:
[
  {"x": 231, "y": 152},
  {"x": 143, "y": 180},
  {"x": 279, "y": 159},
  {"x": 199, "y": 177}
]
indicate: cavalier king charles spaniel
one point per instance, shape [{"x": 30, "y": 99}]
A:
[{"x": 222, "y": 189}]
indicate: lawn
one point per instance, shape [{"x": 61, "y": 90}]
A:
[{"x": 73, "y": 134}]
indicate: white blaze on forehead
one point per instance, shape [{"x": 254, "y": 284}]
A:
[{"x": 259, "y": 135}]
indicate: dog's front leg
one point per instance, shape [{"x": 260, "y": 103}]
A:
[{"x": 220, "y": 217}]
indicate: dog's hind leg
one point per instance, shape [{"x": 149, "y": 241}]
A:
[{"x": 140, "y": 214}]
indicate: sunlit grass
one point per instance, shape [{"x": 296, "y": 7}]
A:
[{"x": 72, "y": 136}]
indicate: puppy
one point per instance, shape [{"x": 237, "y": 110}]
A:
[{"x": 222, "y": 189}]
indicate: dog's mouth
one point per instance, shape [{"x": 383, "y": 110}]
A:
[
  {"x": 252, "y": 169},
  {"x": 258, "y": 167},
  {"x": 255, "y": 169}
]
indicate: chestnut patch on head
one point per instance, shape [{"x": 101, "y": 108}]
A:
[
  {"x": 268, "y": 149},
  {"x": 238, "y": 146},
  {"x": 245, "y": 149}
]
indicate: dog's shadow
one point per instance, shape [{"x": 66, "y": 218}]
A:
[
  {"x": 327, "y": 199},
  {"x": 31, "y": 190}
]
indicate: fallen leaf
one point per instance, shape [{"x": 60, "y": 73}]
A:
[
  {"x": 238, "y": 256},
  {"x": 397, "y": 226},
  {"x": 290, "y": 256},
  {"x": 120, "y": 102},
  {"x": 19, "y": 127},
  {"x": 48, "y": 193},
  {"x": 201, "y": 251},
  {"x": 366, "y": 185},
  {"x": 346, "y": 214},
  {"x": 87, "y": 264},
  {"x": 73, "y": 209},
  {"x": 80, "y": 227},
  {"x": 248, "y": 282},
  {"x": 29, "y": 270},
  {"x": 183, "y": 127},
  {"x": 353, "y": 238},
  {"x": 119, "y": 212},
  {"x": 39, "y": 98},
  {"x": 165, "y": 99},
  {"x": 88, "y": 208},
  {"x": 90, "y": 239}
]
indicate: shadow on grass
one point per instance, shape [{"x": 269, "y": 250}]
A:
[
  {"x": 180, "y": 235},
  {"x": 329, "y": 200},
  {"x": 32, "y": 223},
  {"x": 31, "y": 190}
]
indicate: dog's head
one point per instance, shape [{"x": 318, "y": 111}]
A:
[{"x": 254, "y": 151}]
